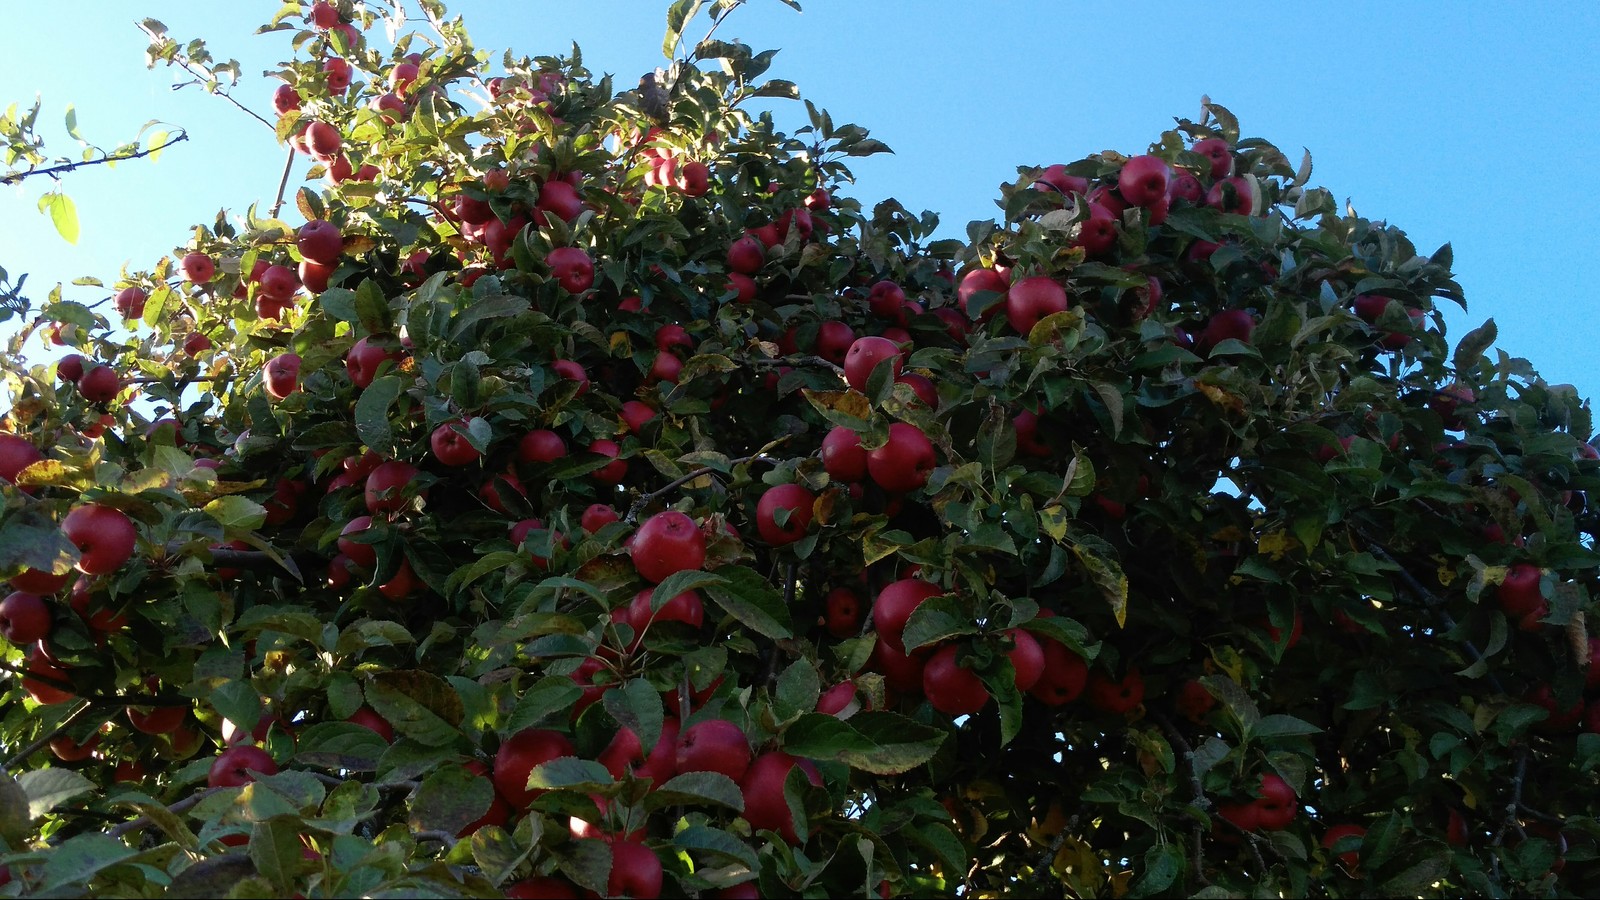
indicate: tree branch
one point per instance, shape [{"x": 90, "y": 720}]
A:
[
  {"x": 183, "y": 805},
  {"x": 283, "y": 183},
  {"x": 53, "y": 171},
  {"x": 646, "y": 499},
  {"x": 77, "y": 716},
  {"x": 1197, "y": 859}
]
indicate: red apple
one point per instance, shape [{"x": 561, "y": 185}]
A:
[
  {"x": 1233, "y": 194},
  {"x": 765, "y": 806},
  {"x": 559, "y": 199},
  {"x": 614, "y": 471},
  {"x": 104, "y": 536},
  {"x": 746, "y": 256},
  {"x": 950, "y": 687},
  {"x": 1031, "y": 299},
  {"x": 843, "y": 457},
  {"x": 322, "y": 139},
  {"x": 285, "y": 99},
  {"x": 450, "y": 446},
  {"x": 24, "y": 619},
  {"x": 713, "y": 745},
  {"x": 1027, "y": 658},
  {"x": 597, "y": 516},
  {"x": 894, "y": 605},
  {"x": 1116, "y": 697},
  {"x": 1277, "y": 804},
  {"x": 541, "y": 446},
  {"x": 1098, "y": 233},
  {"x": 100, "y": 384},
  {"x": 635, "y": 871},
  {"x": 904, "y": 462},
  {"x": 321, "y": 241},
  {"x": 519, "y": 755},
  {"x": 278, "y": 284},
  {"x": 1350, "y": 859},
  {"x": 842, "y": 613},
  {"x": 796, "y": 501},
  {"x": 667, "y": 542},
  {"x": 16, "y": 453},
  {"x": 1216, "y": 150},
  {"x": 1143, "y": 180},
  {"x": 572, "y": 268},
  {"x": 1520, "y": 594},
  {"x": 368, "y": 718},
  {"x": 865, "y": 354},
  {"x": 362, "y": 554},
  {"x": 199, "y": 268},
  {"x": 240, "y": 765},
  {"x": 978, "y": 280},
  {"x": 572, "y": 370}
]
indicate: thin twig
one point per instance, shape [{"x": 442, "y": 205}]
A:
[
  {"x": 205, "y": 77},
  {"x": 1434, "y": 605},
  {"x": 646, "y": 499},
  {"x": 283, "y": 183},
  {"x": 795, "y": 360},
  {"x": 18, "y": 177},
  {"x": 1197, "y": 859},
  {"x": 161, "y": 699},
  {"x": 77, "y": 716}
]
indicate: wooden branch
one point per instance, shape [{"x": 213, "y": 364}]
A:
[
  {"x": 53, "y": 171},
  {"x": 646, "y": 499},
  {"x": 283, "y": 183},
  {"x": 795, "y": 360},
  {"x": 1197, "y": 859},
  {"x": 77, "y": 716},
  {"x": 183, "y": 805}
]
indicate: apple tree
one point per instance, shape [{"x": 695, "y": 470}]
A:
[{"x": 571, "y": 489}]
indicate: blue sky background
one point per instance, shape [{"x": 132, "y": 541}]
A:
[{"x": 1471, "y": 122}]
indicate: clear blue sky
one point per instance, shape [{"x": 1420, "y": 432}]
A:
[{"x": 1471, "y": 122}]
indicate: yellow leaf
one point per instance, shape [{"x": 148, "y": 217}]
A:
[
  {"x": 1221, "y": 398},
  {"x": 1053, "y": 520},
  {"x": 1275, "y": 544}
]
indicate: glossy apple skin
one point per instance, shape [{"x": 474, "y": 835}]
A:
[
  {"x": 519, "y": 755},
  {"x": 843, "y": 457},
  {"x": 105, "y": 537},
  {"x": 951, "y": 688},
  {"x": 233, "y": 766},
  {"x": 24, "y": 618},
  {"x": 765, "y": 806},
  {"x": 1143, "y": 180},
  {"x": 668, "y": 542},
  {"x": 903, "y": 463},
  {"x": 865, "y": 354},
  {"x": 713, "y": 745},
  {"x": 1031, "y": 299},
  {"x": 893, "y": 607},
  {"x": 635, "y": 871},
  {"x": 16, "y": 453},
  {"x": 791, "y": 497}
]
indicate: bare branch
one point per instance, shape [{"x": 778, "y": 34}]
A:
[{"x": 54, "y": 171}]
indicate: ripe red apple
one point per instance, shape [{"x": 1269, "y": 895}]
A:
[
  {"x": 281, "y": 377},
  {"x": 368, "y": 718},
  {"x": 1216, "y": 150},
  {"x": 240, "y": 765},
  {"x": 796, "y": 501},
  {"x": 597, "y": 516},
  {"x": 519, "y": 755},
  {"x": 70, "y": 367},
  {"x": 904, "y": 462},
  {"x": 1098, "y": 233},
  {"x": 16, "y": 453},
  {"x": 156, "y": 719},
  {"x": 864, "y": 355},
  {"x": 746, "y": 256},
  {"x": 614, "y": 471},
  {"x": 324, "y": 15},
  {"x": 977, "y": 280},
  {"x": 130, "y": 303},
  {"x": 1027, "y": 658},
  {"x": 901, "y": 672},
  {"x": 362, "y": 554},
  {"x": 1233, "y": 194},
  {"x": 1194, "y": 701},
  {"x": 667, "y": 542},
  {"x": 278, "y": 284},
  {"x": 402, "y": 583},
  {"x": 24, "y": 619},
  {"x": 1521, "y": 596},
  {"x": 1236, "y": 324},
  {"x": 196, "y": 343},
  {"x": 559, "y": 199},
  {"x": 541, "y": 445},
  {"x": 894, "y": 605},
  {"x": 1031, "y": 299},
  {"x": 665, "y": 368},
  {"x": 322, "y": 139},
  {"x": 1116, "y": 697},
  {"x": 1277, "y": 804},
  {"x": 1370, "y": 306},
  {"x": 842, "y": 612},
  {"x": 104, "y": 536},
  {"x": 765, "y": 806},
  {"x": 41, "y": 667},
  {"x": 198, "y": 268},
  {"x": 363, "y": 360},
  {"x": 100, "y": 384},
  {"x": 450, "y": 446},
  {"x": 543, "y": 887},
  {"x": 1055, "y": 176},
  {"x": 625, "y": 755},
  {"x": 951, "y": 688},
  {"x": 34, "y": 581},
  {"x": 1350, "y": 859},
  {"x": 843, "y": 457},
  {"x": 834, "y": 340},
  {"x": 386, "y": 487},
  {"x": 572, "y": 268},
  {"x": 887, "y": 300},
  {"x": 402, "y": 76},
  {"x": 743, "y": 287},
  {"x": 321, "y": 241},
  {"x": 1143, "y": 180},
  {"x": 686, "y": 608},
  {"x": 714, "y": 745},
  {"x": 635, "y": 871},
  {"x": 572, "y": 370},
  {"x": 285, "y": 99}
]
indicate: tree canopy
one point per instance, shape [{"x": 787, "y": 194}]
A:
[{"x": 569, "y": 487}]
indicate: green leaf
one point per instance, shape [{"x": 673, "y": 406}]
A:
[
  {"x": 938, "y": 619},
  {"x": 79, "y": 859},
  {"x": 372, "y": 308},
  {"x": 450, "y": 799},
  {"x": 62, "y": 213},
  {"x": 637, "y": 706},
  {"x": 571, "y": 773},
  {"x": 277, "y": 852},
  {"x": 1278, "y": 725},
  {"x": 798, "y": 688},
  {"x": 678, "y": 15},
  {"x": 340, "y": 745},
  {"x": 372, "y": 413},
  {"x": 751, "y": 599},
  {"x": 881, "y": 743},
  {"x": 420, "y": 705},
  {"x": 16, "y": 819},
  {"x": 1470, "y": 350},
  {"x": 236, "y": 513},
  {"x": 551, "y": 697},
  {"x": 697, "y": 789},
  {"x": 49, "y": 789}
]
